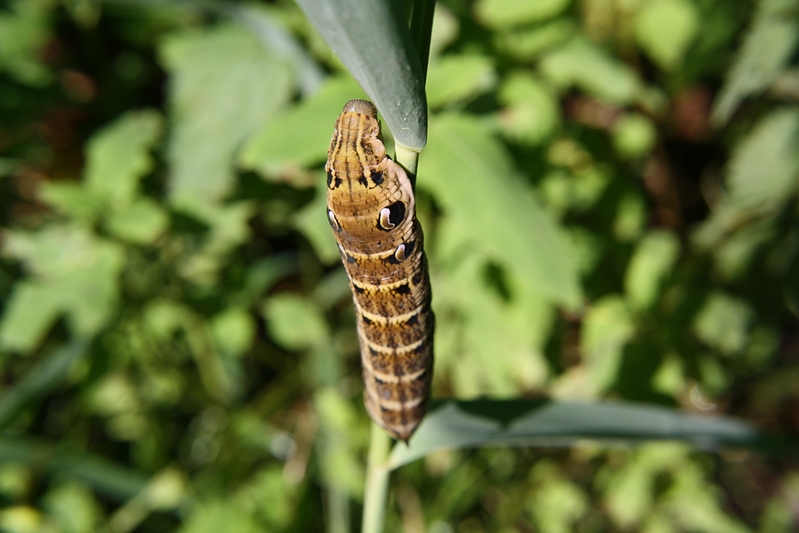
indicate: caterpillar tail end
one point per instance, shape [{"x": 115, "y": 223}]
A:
[{"x": 403, "y": 431}]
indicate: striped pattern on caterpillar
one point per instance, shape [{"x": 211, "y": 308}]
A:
[{"x": 372, "y": 211}]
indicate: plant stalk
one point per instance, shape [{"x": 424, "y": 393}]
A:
[{"x": 377, "y": 475}]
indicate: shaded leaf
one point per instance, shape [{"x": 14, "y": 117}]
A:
[
  {"x": 532, "y": 114},
  {"x": 467, "y": 424},
  {"x": 607, "y": 327},
  {"x": 141, "y": 223},
  {"x": 295, "y": 322},
  {"x": 723, "y": 323},
  {"x": 373, "y": 41},
  {"x": 313, "y": 222}
]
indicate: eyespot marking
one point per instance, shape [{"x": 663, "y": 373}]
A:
[
  {"x": 399, "y": 255},
  {"x": 331, "y": 217},
  {"x": 391, "y": 216}
]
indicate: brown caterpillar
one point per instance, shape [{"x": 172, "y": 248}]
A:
[{"x": 372, "y": 211}]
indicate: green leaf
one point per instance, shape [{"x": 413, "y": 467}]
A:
[
  {"x": 723, "y": 323},
  {"x": 665, "y": 29},
  {"x": 583, "y": 64},
  {"x": 73, "y": 272},
  {"x": 24, "y": 34},
  {"x": 764, "y": 55},
  {"x": 651, "y": 264},
  {"x": 141, "y": 223},
  {"x": 764, "y": 166},
  {"x": 634, "y": 135},
  {"x": 233, "y": 330},
  {"x": 532, "y": 114},
  {"x": 505, "y": 13},
  {"x": 455, "y": 78},
  {"x": 373, "y": 41},
  {"x": 527, "y": 43},
  {"x": 295, "y": 322},
  {"x": 118, "y": 157},
  {"x": 300, "y": 136},
  {"x": 225, "y": 86},
  {"x": 521, "y": 422},
  {"x": 471, "y": 175},
  {"x": 607, "y": 327},
  {"x": 71, "y": 199}
]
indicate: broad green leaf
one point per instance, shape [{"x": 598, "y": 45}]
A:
[
  {"x": 73, "y": 507},
  {"x": 607, "y": 327},
  {"x": 71, "y": 199},
  {"x": 471, "y": 175},
  {"x": 454, "y": 78},
  {"x": 300, "y": 136},
  {"x": 764, "y": 166},
  {"x": 585, "y": 65},
  {"x": 221, "y": 515},
  {"x": 527, "y": 43},
  {"x": 665, "y": 29},
  {"x": 723, "y": 323},
  {"x": 295, "y": 322},
  {"x": 118, "y": 157},
  {"x": 470, "y": 424},
  {"x": 24, "y": 34},
  {"x": 73, "y": 272},
  {"x": 233, "y": 330},
  {"x": 141, "y": 223},
  {"x": 634, "y": 135},
  {"x": 555, "y": 503},
  {"x": 225, "y": 86},
  {"x": 532, "y": 114},
  {"x": 651, "y": 264},
  {"x": 506, "y": 13},
  {"x": 765, "y": 53},
  {"x": 373, "y": 41}
]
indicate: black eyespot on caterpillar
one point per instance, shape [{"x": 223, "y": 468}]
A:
[
  {"x": 377, "y": 178},
  {"x": 391, "y": 216},
  {"x": 402, "y": 289}
]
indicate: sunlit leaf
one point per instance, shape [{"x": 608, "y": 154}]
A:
[
  {"x": 233, "y": 330},
  {"x": 295, "y": 322},
  {"x": 466, "y": 424},
  {"x": 634, "y": 135},
  {"x": 765, "y": 165},
  {"x": 300, "y": 136},
  {"x": 459, "y": 77},
  {"x": 532, "y": 114},
  {"x": 586, "y": 66},
  {"x": 73, "y": 272},
  {"x": 24, "y": 33},
  {"x": 373, "y": 41},
  {"x": 225, "y": 86},
  {"x": 665, "y": 30},
  {"x": 141, "y": 223},
  {"x": 766, "y": 51},
  {"x": 505, "y": 13},
  {"x": 118, "y": 157},
  {"x": 607, "y": 327},
  {"x": 651, "y": 263},
  {"x": 526, "y": 43},
  {"x": 471, "y": 175},
  {"x": 723, "y": 323}
]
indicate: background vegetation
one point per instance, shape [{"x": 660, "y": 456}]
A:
[{"x": 609, "y": 200}]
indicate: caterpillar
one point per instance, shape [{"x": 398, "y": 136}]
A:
[{"x": 372, "y": 210}]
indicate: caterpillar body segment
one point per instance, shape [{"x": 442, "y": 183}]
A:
[{"x": 371, "y": 208}]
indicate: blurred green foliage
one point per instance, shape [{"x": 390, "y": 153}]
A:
[{"x": 609, "y": 197}]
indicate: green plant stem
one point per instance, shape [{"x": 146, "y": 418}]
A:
[
  {"x": 377, "y": 474},
  {"x": 409, "y": 159}
]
